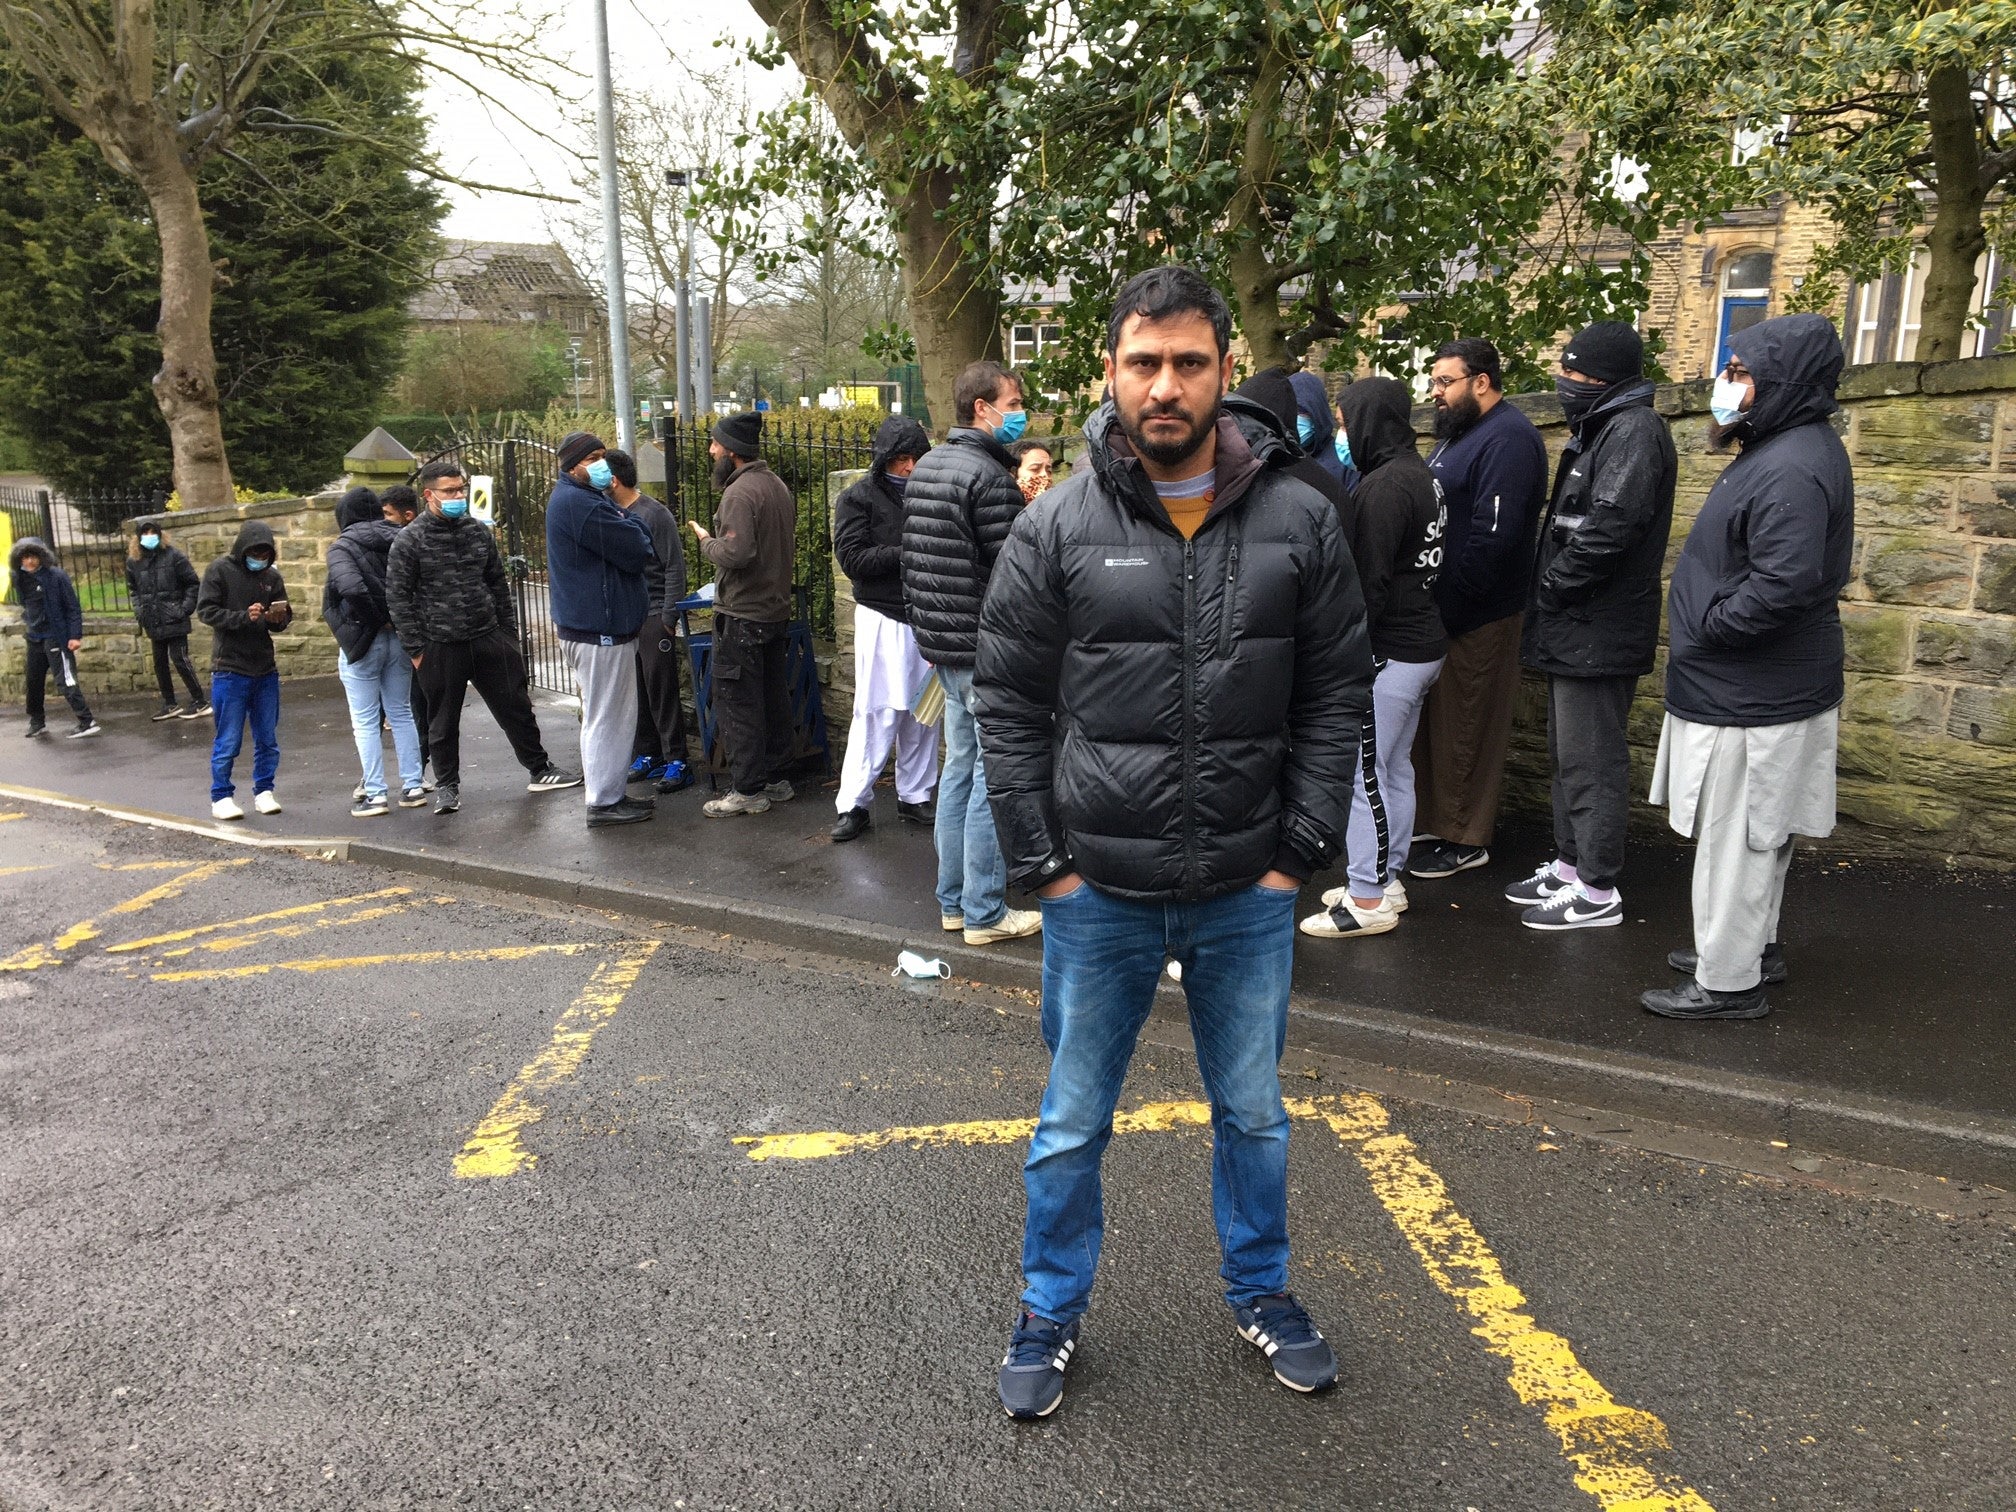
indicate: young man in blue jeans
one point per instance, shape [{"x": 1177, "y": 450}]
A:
[
  {"x": 1173, "y": 669},
  {"x": 243, "y": 602}
]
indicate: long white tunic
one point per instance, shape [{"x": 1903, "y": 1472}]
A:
[
  {"x": 1789, "y": 772},
  {"x": 888, "y": 671}
]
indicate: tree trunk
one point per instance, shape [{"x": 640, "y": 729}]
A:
[
  {"x": 1958, "y": 238},
  {"x": 1256, "y": 282},
  {"x": 955, "y": 315}
]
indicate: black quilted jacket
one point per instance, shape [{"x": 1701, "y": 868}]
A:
[
  {"x": 1172, "y": 718},
  {"x": 961, "y": 500}
]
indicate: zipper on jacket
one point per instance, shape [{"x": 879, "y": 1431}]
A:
[
  {"x": 1190, "y": 676},
  {"x": 1231, "y": 597}
]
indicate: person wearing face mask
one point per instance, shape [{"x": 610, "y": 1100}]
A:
[
  {"x": 1274, "y": 391},
  {"x": 598, "y": 561},
  {"x": 888, "y": 671},
  {"x": 1754, "y": 661},
  {"x": 1035, "y": 466},
  {"x": 450, "y": 600},
  {"x": 961, "y": 502},
  {"x": 754, "y": 549},
  {"x": 1316, "y": 429},
  {"x": 1592, "y": 617},
  {"x": 161, "y": 585},
  {"x": 243, "y": 601}
]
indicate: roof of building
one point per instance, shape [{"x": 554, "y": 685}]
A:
[{"x": 501, "y": 282}]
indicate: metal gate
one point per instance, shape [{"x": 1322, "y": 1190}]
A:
[{"x": 521, "y": 473}]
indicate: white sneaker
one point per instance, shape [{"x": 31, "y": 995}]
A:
[
  {"x": 1345, "y": 919},
  {"x": 951, "y": 923},
  {"x": 731, "y": 803},
  {"x": 1396, "y": 894},
  {"x": 226, "y": 808},
  {"x": 265, "y": 802},
  {"x": 1016, "y": 924}
]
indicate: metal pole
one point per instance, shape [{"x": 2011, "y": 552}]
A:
[
  {"x": 703, "y": 371},
  {"x": 612, "y": 235},
  {"x": 682, "y": 342}
]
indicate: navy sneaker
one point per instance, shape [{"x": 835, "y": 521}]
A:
[
  {"x": 646, "y": 769},
  {"x": 1445, "y": 858},
  {"x": 674, "y": 777},
  {"x": 1279, "y": 1327},
  {"x": 1572, "y": 908},
  {"x": 1032, "y": 1372},
  {"x": 1532, "y": 891}
]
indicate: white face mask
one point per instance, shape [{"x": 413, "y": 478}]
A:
[{"x": 1726, "y": 402}]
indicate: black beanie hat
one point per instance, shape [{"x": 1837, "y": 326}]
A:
[
  {"x": 1609, "y": 350},
  {"x": 575, "y": 445},
  {"x": 740, "y": 433}
]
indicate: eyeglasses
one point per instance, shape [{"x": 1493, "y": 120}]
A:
[
  {"x": 1440, "y": 384},
  {"x": 1735, "y": 372}
]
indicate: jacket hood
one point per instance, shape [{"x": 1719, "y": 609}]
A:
[
  {"x": 1379, "y": 419},
  {"x": 1249, "y": 441},
  {"x": 27, "y": 544},
  {"x": 252, "y": 533},
  {"x": 1796, "y": 361},
  {"x": 1313, "y": 400},
  {"x": 371, "y": 530},
  {"x": 356, "y": 504},
  {"x": 1271, "y": 390},
  {"x": 898, "y": 436}
]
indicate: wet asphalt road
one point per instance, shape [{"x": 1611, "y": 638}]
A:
[{"x": 238, "y": 1267}]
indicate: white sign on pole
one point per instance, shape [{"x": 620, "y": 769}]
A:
[{"x": 482, "y": 497}]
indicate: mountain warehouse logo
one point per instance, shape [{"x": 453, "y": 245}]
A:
[{"x": 1126, "y": 561}]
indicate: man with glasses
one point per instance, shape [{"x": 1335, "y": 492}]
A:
[
  {"x": 451, "y": 604},
  {"x": 1491, "y": 468},
  {"x": 1754, "y": 661}
]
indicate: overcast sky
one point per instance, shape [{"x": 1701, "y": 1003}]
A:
[{"x": 477, "y": 140}]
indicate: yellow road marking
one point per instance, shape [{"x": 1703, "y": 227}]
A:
[
  {"x": 279, "y": 913},
  {"x": 15, "y": 871},
  {"x": 1613, "y": 1447},
  {"x": 404, "y": 958},
  {"x": 5, "y": 817},
  {"x": 496, "y": 1149},
  {"x": 36, "y": 956},
  {"x": 293, "y": 931},
  {"x": 131, "y": 866}
]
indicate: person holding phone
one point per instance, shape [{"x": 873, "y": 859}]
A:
[{"x": 243, "y": 601}]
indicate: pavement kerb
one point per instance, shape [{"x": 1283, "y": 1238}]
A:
[{"x": 1905, "y": 1135}]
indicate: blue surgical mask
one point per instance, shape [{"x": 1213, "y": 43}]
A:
[
  {"x": 454, "y": 508},
  {"x": 1013, "y": 423},
  {"x": 1726, "y": 402},
  {"x": 257, "y": 563},
  {"x": 1305, "y": 430},
  {"x": 149, "y": 542},
  {"x": 1343, "y": 445},
  {"x": 599, "y": 475}
]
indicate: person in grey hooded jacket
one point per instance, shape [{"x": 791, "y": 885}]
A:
[{"x": 1754, "y": 660}]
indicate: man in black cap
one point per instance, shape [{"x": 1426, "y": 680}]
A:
[
  {"x": 754, "y": 549},
  {"x": 1592, "y": 617}
]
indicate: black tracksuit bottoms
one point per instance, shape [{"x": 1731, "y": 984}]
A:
[
  {"x": 494, "y": 664},
  {"x": 1587, "y": 745},
  {"x": 661, "y": 718},
  {"x": 175, "y": 650}
]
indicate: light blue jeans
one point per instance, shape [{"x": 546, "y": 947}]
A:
[
  {"x": 1102, "y": 958},
  {"x": 382, "y": 676},
  {"x": 972, "y": 873}
]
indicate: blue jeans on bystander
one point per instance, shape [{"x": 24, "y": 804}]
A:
[
  {"x": 238, "y": 700},
  {"x": 1102, "y": 958},
  {"x": 972, "y": 873},
  {"x": 383, "y": 675}
]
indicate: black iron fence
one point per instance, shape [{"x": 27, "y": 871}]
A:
[{"x": 83, "y": 530}]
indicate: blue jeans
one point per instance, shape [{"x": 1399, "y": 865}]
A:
[
  {"x": 237, "y": 699},
  {"x": 382, "y": 676},
  {"x": 972, "y": 873},
  {"x": 1102, "y": 958}
]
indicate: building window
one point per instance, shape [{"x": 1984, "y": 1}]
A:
[
  {"x": 1887, "y": 314},
  {"x": 1746, "y": 298},
  {"x": 1028, "y": 342}
]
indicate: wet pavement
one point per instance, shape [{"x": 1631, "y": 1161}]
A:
[
  {"x": 1900, "y": 976},
  {"x": 330, "y": 1188}
]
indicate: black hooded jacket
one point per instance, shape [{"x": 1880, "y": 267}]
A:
[
  {"x": 957, "y": 510},
  {"x": 1594, "y": 608},
  {"x": 1753, "y": 616},
  {"x": 1272, "y": 392},
  {"x": 50, "y": 609},
  {"x": 354, "y": 605},
  {"x": 1172, "y": 718},
  {"x": 1396, "y": 538},
  {"x": 161, "y": 585},
  {"x": 238, "y": 643},
  {"x": 868, "y": 521}
]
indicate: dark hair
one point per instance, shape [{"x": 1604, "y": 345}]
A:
[
  {"x": 1172, "y": 290},
  {"x": 441, "y": 469},
  {"x": 977, "y": 381},
  {"x": 1476, "y": 354},
  {"x": 1048, "y": 445},
  {"x": 623, "y": 465},
  {"x": 401, "y": 498}
]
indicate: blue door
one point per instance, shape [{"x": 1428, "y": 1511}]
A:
[{"x": 1738, "y": 314}]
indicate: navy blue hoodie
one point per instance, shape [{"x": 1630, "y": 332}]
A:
[
  {"x": 597, "y": 558},
  {"x": 49, "y": 608}
]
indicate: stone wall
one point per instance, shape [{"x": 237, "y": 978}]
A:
[
  {"x": 117, "y": 657},
  {"x": 1928, "y": 735}
]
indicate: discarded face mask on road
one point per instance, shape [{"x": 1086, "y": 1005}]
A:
[{"x": 920, "y": 968}]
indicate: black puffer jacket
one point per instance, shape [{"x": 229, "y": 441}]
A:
[
  {"x": 1753, "y": 616},
  {"x": 961, "y": 501},
  {"x": 1172, "y": 718},
  {"x": 161, "y": 585},
  {"x": 353, "y": 602},
  {"x": 868, "y": 521},
  {"x": 1594, "y": 609},
  {"x": 445, "y": 583}
]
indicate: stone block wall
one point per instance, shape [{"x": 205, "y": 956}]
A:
[
  {"x": 117, "y": 657},
  {"x": 1928, "y": 734}
]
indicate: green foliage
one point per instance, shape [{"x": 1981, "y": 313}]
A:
[
  {"x": 319, "y": 240},
  {"x": 466, "y": 368}
]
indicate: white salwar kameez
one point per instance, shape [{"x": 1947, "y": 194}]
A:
[{"x": 888, "y": 675}]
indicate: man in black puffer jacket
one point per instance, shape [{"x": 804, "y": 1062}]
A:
[
  {"x": 375, "y": 673},
  {"x": 1592, "y": 618},
  {"x": 1754, "y": 660},
  {"x": 1173, "y": 669},
  {"x": 958, "y": 507}
]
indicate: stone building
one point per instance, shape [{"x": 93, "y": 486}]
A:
[{"x": 514, "y": 284}]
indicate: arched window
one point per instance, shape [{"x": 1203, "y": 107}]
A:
[{"x": 1746, "y": 297}]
